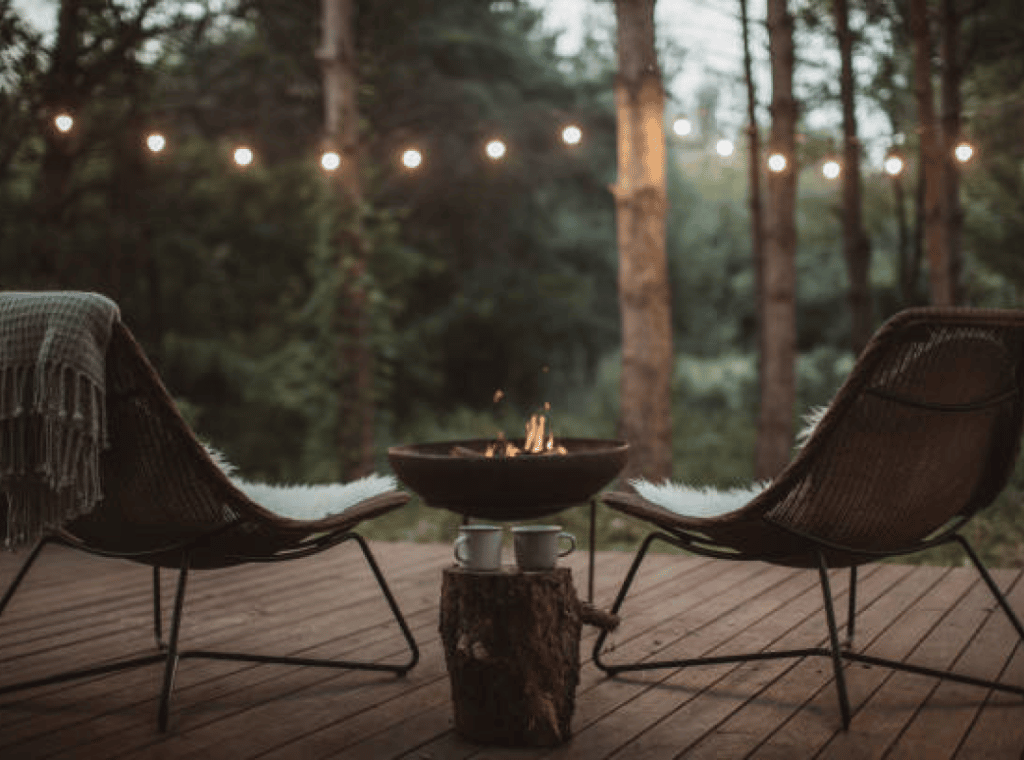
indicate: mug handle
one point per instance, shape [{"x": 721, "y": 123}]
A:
[
  {"x": 572, "y": 543},
  {"x": 459, "y": 543}
]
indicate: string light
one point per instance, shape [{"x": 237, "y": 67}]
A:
[
  {"x": 831, "y": 169},
  {"x": 330, "y": 160},
  {"x": 495, "y": 150},
  {"x": 243, "y": 156},
  {"x": 572, "y": 135},
  {"x": 777, "y": 162},
  {"x": 893, "y": 165},
  {"x": 682, "y": 126},
  {"x": 963, "y": 152},
  {"x": 412, "y": 158}
]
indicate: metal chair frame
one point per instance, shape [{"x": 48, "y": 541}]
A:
[
  {"x": 170, "y": 653},
  {"x": 834, "y": 651}
]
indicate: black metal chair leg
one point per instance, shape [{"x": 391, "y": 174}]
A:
[
  {"x": 833, "y": 635},
  {"x": 395, "y": 611},
  {"x": 851, "y": 613},
  {"x": 630, "y": 575},
  {"x": 171, "y": 664},
  {"x": 837, "y": 654},
  {"x": 991, "y": 585},
  {"x": 592, "y": 547},
  {"x": 398, "y": 669},
  {"x": 158, "y": 632},
  {"x": 22, "y": 572}
]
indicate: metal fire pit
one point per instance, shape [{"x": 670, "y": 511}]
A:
[{"x": 507, "y": 488}]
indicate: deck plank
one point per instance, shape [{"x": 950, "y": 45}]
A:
[{"x": 75, "y": 607}]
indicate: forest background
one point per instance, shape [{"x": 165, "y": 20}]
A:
[{"x": 482, "y": 275}]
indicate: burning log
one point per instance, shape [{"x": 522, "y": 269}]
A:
[{"x": 537, "y": 440}]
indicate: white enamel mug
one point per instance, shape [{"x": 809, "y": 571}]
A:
[
  {"x": 537, "y": 546},
  {"x": 478, "y": 547}
]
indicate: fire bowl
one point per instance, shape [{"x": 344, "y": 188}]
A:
[{"x": 507, "y": 488}]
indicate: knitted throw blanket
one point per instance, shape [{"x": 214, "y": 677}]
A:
[{"x": 52, "y": 407}]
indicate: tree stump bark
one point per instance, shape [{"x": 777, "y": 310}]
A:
[{"x": 511, "y": 642}]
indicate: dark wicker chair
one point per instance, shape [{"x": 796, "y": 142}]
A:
[
  {"x": 167, "y": 504},
  {"x": 923, "y": 434}
]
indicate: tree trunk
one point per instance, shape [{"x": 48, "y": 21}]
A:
[
  {"x": 951, "y": 74},
  {"x": 640, "y": 198},
  {"x": 127, "y": 208},
  {"x": 778, "y": 305},
  {"x": 338, "y": 59},
  {"x": 940, "y": 281},
  {"x": 905, "y": 255},
  {"x": 754, "y": 180},
  {"x": 856, "y": 246},
  {"x": 50, "y": 193}
]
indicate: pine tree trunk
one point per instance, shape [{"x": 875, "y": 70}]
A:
[
  {"x": 778, "y": 305},
  {"x": 952, "y": 210},
  {"x": 754, "y": 181},
  {"x": 640, "y": 199},
  {"x": 338, "y": 59},
  {"x": 856, "y": 246},
  {"x": 940, "y": 281}
]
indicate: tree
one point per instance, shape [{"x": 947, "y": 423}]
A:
[
  {"x": 339, "y": 59},
  {"x": 641, "y": 203},
  {"x": 993, "y": 58},
  {"x": 950, "y": 82},
  {"x": 94, "y": 51},
  {"x": 856, "y": 246},
  {"x": 891, "y": 90},
  {"x": 778, "y": 303},
  {"x": 754, "y": 189},
  {"x": 940, "y": 279}
]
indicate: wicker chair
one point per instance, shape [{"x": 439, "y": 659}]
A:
[
  {"x": 167, "y": 504},
  {"x": 923, "y": 434}
]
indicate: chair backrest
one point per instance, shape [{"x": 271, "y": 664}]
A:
[
  {"x": 160, "y": 486},
  {"x": 923, "y": 434}
]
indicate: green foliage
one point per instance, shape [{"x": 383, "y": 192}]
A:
[{"x": 480, "y": 276}]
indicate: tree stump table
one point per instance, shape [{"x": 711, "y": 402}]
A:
[{"x": 511, "y": 643}]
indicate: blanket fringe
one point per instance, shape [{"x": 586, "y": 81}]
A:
[{"x": 53, "y": 428}]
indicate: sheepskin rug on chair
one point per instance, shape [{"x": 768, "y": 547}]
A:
[
  {"x": 306, "y": 502},
  {"x": 705, "y": 501}
]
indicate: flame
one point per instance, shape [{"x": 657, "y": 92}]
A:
[
  {"x": 535, "y": 434},
  {"x": 539, "y": 440}
]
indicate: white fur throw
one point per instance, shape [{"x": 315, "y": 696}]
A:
[
  {"x": 704, "y": 501},
  {"x": 694, "y": 501},
  {"x": 307, "y": 502}
]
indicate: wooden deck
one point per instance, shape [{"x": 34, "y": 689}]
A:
[{"x": 74, "y": 610}]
